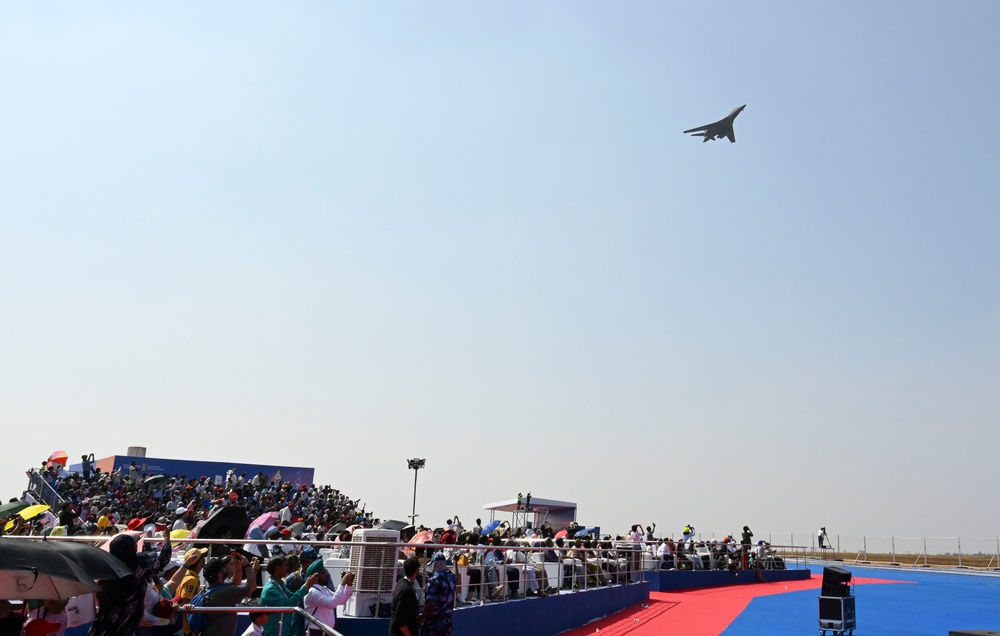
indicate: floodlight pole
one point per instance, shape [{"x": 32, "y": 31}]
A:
[{"x": 415, "y": 465}]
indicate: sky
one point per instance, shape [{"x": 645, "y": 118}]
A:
[{"x": 343, "y": 235}]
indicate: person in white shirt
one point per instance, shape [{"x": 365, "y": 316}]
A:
[
  {"x": 321, "y": 601},
  {"x": 635, "y": 534},
  {"x": 179, "y": 523},
  {"x": 665, "y": 554},
  {"x": 257, "y": 622}
]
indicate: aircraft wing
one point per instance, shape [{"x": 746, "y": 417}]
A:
[
  {"x": 705, "y": 127},
  {"x": 731, "y": 135}
]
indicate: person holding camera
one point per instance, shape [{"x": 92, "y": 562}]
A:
[
  {"x": 321, "y": 601},
  {"x": 217, "y": 571}
]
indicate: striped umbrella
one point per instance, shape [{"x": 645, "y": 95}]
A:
[{"x": 59, "y": 457}]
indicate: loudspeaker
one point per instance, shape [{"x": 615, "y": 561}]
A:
[{"x": 836, "y": 582}]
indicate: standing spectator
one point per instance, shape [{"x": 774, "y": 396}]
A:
[
  {"x": 68, "y": 516},
  {"x": 688, "y": 535},
  {"x": 746, "y": 540},
  {"x": 194, "y": 561},
  {"x": 404, "y": 602},
  {"x": 321, "y": 601},
  {"x": 222, "y": 594},
  {"x": 295, "y": 580},
  {"x": 87, "y": 466},
  {"x": 257, "y": 621},
  {"x": 439, "y": 599},
  {"x": 277, "y": 594}
]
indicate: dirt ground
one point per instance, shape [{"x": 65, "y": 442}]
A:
[{"x": 981, "y": 562}]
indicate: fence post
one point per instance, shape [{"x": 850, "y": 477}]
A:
[
  {"x": 960, "y": 552},
  {"x": 893, "y": 539},
  {"x": 864, "y": 545},
  {"x": 925, "y": 551}
]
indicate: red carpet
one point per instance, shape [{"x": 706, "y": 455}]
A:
[{"x": 703, "y": 612}]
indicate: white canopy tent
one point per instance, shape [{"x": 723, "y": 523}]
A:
[{"x": 535, "y": 511}]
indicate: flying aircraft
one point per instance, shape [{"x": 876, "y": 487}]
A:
[{"x": 719, "y": 129}]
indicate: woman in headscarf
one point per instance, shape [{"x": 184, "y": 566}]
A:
[{"x": 121, "y": 601}]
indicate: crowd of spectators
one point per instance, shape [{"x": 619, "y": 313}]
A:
[
  {"x": 95, "y": 502},
  {"x": 497, "y": 561}
]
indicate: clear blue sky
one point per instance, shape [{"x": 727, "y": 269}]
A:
[{"x": 342, "y": 235}]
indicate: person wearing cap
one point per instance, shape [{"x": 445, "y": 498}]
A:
[
  {"x": 277, "y": 594},
  {"x": 321, "y": 601},
  {"x": 439, "y": 599},
  {"x": 823, "y": 539},
  {"x": 42, "y": 627},
  {"x": 104, "y": 520},
  {"x": 307, "y": 557},
  {"x": 179, "y": 523},
  {"x": 194, "y": 560},
  {"x": 688, "y": 534},
  {"x": 221, "y": 594},
  {"x": 49, "y": 618}
]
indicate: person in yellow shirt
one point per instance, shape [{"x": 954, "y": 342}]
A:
[
  {"x": 103, "y": 522},
  {"x": 194, "y": 559}
]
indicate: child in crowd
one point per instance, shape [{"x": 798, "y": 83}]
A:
[{"x": 257, "y": 622}]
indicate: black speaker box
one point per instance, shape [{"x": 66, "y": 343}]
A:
[{"x": 836, "y": 582}]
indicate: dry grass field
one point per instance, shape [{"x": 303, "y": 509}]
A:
[{"x": 981, "y": 561}]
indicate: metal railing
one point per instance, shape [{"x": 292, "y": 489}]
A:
[
  {"x": 42, "y": 489},
  {"x": 972, "y": 553},
  {"x": 243, "y": 609}
]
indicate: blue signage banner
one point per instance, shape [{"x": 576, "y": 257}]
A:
[{"x": 297, "y": 475}]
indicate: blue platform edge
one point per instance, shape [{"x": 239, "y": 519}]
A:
[
  {"x": 537, "y": 616},
  {"x": 673, "y": 580},
  {"x": 525, "y": 617}
]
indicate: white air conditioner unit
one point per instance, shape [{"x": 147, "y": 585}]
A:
[
  {"x": 368, "y": 605},
  {"x": 374, "y": 563}
]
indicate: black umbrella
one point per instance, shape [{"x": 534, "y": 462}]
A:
[
  {"x": 155, "y": 480},
  {"x": 391, "y": 524},
  {"x": 232, "y": 518},
  {"x": 99, "y": 564},
  {"x": 34, "y": 570}
]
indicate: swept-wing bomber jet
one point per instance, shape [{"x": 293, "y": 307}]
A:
[{"x": 719, "y": 129}]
